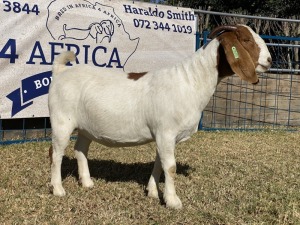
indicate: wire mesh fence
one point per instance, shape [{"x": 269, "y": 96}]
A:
[{"x": 273, "y": 103}]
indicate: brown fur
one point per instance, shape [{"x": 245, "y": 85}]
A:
[
  {"x": 136, "y": 76},
  {"x": 172, "y": 171},
  {"x": 221, "y": 29},
  {"x": 248, "y": 51}
]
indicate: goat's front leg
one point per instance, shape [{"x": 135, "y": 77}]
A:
[
  {"x": 152, "y": 187},
  {"x": 166, "y": 151},
  {"x": 81, "y": 150}
]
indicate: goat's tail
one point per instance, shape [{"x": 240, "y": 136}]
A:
[{"x": 59, "y": 64}]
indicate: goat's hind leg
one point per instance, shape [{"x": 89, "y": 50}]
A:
[
  {"x": 81, "y": 151},
  {"x": 56, "y": 152},
  {"x": 62, "y": 129}
]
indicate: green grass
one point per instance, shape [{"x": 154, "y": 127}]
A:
[{"x": 223, "y": 178}]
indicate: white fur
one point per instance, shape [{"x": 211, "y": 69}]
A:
[
  {"x": 264, "y": 55},
  {"x": 162, "y": 106}
]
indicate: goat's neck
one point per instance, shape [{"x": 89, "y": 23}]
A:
[{"x": 201, "y": 70}]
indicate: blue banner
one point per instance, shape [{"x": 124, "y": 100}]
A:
[{"x": 31, "y": 87}]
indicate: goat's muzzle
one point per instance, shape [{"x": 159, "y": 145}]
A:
[{"x": 256, "y": 82}]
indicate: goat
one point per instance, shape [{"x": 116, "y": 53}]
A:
[{"x": 118, "y": 109}]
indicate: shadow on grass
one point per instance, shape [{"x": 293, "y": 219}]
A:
[{"x": 113, "y": 171}]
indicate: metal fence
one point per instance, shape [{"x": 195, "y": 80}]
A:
[
  {"x": 24, "y": 130},
  {"x": 273, "y": 103}
]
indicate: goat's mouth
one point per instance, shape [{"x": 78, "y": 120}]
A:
[
  {"x": 255, "y": 83},
  {"x": 260, "y": 68}
]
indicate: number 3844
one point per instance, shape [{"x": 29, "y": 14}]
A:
[{"x": 17, "y": 7}]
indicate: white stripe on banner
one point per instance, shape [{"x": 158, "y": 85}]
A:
[{"x": 124, "y": 35}]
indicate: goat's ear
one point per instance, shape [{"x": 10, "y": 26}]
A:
[{"x": 238, "y": 58}]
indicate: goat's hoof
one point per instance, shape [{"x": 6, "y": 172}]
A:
[
  {"x": 152, "y": 190},
  {"x": 87, "y": 183},
  {"x": 173, "y": 202},
  {"x": 153, "y": 194},
  {"x": 58, "y": 191}
]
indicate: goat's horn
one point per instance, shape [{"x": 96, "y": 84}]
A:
[{"x": 219, "y": 30}]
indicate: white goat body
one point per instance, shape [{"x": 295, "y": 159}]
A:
[{"x": 119, "y": 109}]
